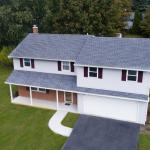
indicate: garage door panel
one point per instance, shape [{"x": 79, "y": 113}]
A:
[{"x": 110, "y": 108}]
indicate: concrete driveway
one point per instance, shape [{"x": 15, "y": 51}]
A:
[{"x": 95, "y": 133}]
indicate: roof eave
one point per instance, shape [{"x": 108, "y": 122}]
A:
[{"x": 107, "y": 67}]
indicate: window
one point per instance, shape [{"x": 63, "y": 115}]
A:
[
  {"x": 27, "y": 62},
  {"x": 42, "y": 90},
  {"x": 92, "y": 71},
  {"x": 34, "y": 89},
  {"x": 66, "y": 65},
  {"x": 132, "y": 75},
  {"x": 38, "y": 89}
]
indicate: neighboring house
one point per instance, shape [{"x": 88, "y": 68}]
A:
[
  {"x": 129, "y": 21},
  {"x": 101, "y": 76}
]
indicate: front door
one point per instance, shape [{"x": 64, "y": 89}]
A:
[{"x": 68, "y": 98}]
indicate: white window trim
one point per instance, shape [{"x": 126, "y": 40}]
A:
[
  {"x": 71, "y": 97},
  {"x": 92, "y": 71},
  {"x": 38, "y": 90},
  {"x": 132, "y": 75},
  {"x": 24, "y": 62},
  {"x": 62, "y": 64}
]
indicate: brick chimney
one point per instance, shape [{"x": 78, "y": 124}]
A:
[{"x": 35, "y": 29}]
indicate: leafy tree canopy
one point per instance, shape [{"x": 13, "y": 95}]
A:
[
  {"x": 141, "y": 5},
  {"x": 61, "y": 16},
  {"x": 145, "y": 26}
]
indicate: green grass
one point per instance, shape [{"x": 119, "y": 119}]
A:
[
  {"x": 144, "y": 142},
  {"x": 133, "y": 36},
  {"x": 25, "y": 128},
  {"x": 70, "y": 120}
]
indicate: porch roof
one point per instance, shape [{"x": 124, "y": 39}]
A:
[{"x": 64, "y": 83}]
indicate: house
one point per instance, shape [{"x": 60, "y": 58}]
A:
[{"x": 100, "y": 76}]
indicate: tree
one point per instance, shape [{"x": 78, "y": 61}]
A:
[
  {"x": 140, "y": 5},
  {"x": 136, "y": 23},
  {"x": 92, "y": 16},
  {"x": 95, "y": 17},
  {"x": 145, "y": 25},
  {"x": 14, "y": 23}
]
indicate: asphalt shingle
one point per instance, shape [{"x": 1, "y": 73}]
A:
[
  {"x": 63, "y": 82},
  {"x": 50, "y": 46},
  {"x": 132, "y": 53},
  {"x": 116, "y": 53}
]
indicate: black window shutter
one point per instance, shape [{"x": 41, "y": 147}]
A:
[
  {"x": 72, "y": 66},
  {"x": 21, "y": 62},
  {"x": 124, "y": 74},
  {"x": 47, "y": 91},
  {"x": 32, "y": 63},
  {"x": 140, "y": 76},
  {"x": 59, "y": 65},
  {"x": 100, "y": 73},
  {"x": 27, "y": 88},
  {"x": 85, "y": 71}
]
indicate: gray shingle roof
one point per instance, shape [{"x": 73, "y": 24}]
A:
[
  {"x": 116, "y": 52},
  {"x": 133, "y": 53},
  {"x": 50, "y": 46},
  {"x": 62, "y": 82}
]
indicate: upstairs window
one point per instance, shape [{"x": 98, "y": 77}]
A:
[
  {"x": 66, "y": 65},
  {"x": 92, "y": 72},
  {"x": 132, "y": 75},
  {"x": 27, "y": 62}
]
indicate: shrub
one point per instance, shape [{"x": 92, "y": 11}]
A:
[
  {"x": 4, "y": 52},
  {"x": 148, "y": 127}
]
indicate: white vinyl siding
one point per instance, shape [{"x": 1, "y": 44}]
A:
[{"x": 113, "y": 108}]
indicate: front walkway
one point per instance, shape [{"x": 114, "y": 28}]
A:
[{"x": 55, "y": 124}]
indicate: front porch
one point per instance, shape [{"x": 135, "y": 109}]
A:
[
  {"x": 50, "y": 99},
  {"x": 44, "y": 104}
]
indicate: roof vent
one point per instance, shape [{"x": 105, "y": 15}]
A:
[
  {"x": 35, "y": 29},
  {"x": 119, "y": 35}
]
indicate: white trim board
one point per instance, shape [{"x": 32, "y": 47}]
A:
[
  {"x": 118, "y": 68},
  {"x": 42, "y": 59}
]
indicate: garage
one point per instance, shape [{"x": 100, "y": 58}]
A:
[{"x": 115, "y": 108}]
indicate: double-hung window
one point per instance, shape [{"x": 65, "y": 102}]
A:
[
  {"x": 132, "y": 75},
  {"x": 38, "y": 89},
  {"x": 27, "y": 62},
  {"x": 93, "y": 72},
  {"x": 65, "y": 65}
]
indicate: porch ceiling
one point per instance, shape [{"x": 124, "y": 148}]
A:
[{"x": 64, "y": 83}]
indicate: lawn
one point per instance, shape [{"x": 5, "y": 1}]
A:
[
  {"x": 70, "y": 120},
  {"x": 133, "y": 36},
  {"x": 25, "y": 128}
]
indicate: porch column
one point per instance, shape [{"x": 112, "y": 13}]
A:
[
  {"x": 57, "y": 99},
  {"x": 11, "y": 94},
  {"x": 30, "y": 95}
]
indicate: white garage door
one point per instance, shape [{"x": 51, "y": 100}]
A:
[{"x": 110, "y": 108}]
